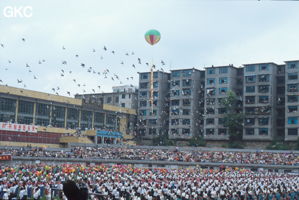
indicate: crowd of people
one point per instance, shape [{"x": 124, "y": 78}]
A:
[
  {"x": 124, "y": 182},
  {"x": 127, "y": 153}
]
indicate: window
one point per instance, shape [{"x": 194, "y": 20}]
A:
[
  {"x": 186, "y": 121},
  {"x": 292, "y": 76},
  {"x": 43, "y": 110},
  {"x": 186, "y": 111},
  {"x": 249, "y": 121},
  {"x": 223, "y": 70},
  {"x": 292, "y": 120},
  {"x": 156, "y": 84},
  {"x": 142, "y": 103},
  {"x": 174, "y": 131},
  {"x": 292, "y": 66},
  {"x": 175, "y": 93},
  {"x": 186, "y": 102},
  {"x": 142, "y": 112},
  {"x": 175, "y": 121},
  {"x": 250, "y": 79},
  {"x": 249, "y": 131},
  {"x": 144, "y": 76},
  {"x": 263, "y": 121},
  {"x": 123, "y": 96},
  {"x": 223, "y": 80},
  {"x": 221, "y": 110},
  {"x": 263, "y": 88},
  {"x": 152, "y": 121},
  {"x": 280, "y": 79},
  {"x": 211, "y": 91},
  {"x": 175, "y": 74},
  {"x": 210, "y": 111},
  {"x": 187, "y": 82},
  {"x": 222, "y": 131},
  {"x": 109, "y": 100},
  {"x": 263, "y": 131},
  {"x": 152, "y": 131},
  {"x": 263, "y": 68},
  {"x": 154, "y": 113},
  {"x": 143, "y": 94},
  {"x": 210, "y": 131},
  {"x": 292, "y": 87},
  {"x": 250, "y": 99},
  {"x": 187, "y": 73},
  {"x": 292, "y": 98},
  {"x": 175, "y": 111},
  {"x": 210, "y": 81},
  {"x": 116, "y": 99},
  {"x": 263, "y": 99},
  {"x": 186, "y": 92},
  {"x": 280, "y": 90},
  {"x": 156, "y": 74},
  {"x": 25, "y": 107},
  {"x": 155, "y": 94},
  {"x": 250, "y": 68},
  {"x": 175, "y": 83},
  {"x": 143, "y": 85},
  {"x": 221, "y": 121},
  {"x": 223, "y": 90},
  {"x": 186, "y": 131},
  {"x": 211, "y": 71},
  {"x": 175, "y": 102},
  {"x": 292, "y": 131},
  {"x": 123, "y": 105},
  {"x": 250, "y": 89},
  {"x": 264, "y": 78},
  {"x": 209, "y": 121},
  {"x": 292, "y": 109},
  {"x": 210, "y": 101},
  {"x": 250, "y": 110}
]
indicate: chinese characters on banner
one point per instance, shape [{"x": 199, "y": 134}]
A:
[
  {"x": 18, "y": 127},
  {"x": 5, "y": 157}
]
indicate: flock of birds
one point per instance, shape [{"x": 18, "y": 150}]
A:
[{"x": 106, "y": 73}]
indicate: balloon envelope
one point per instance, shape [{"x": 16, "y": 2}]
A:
[{"x": 152, "y": 36}]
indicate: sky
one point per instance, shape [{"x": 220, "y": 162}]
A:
[{"x": 194, "y": 34}]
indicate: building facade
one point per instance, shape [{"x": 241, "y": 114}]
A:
[
  {"x": 260, "y": 101},
  {"x": 153, "y": 118},
  {"x": 122, "y": 96},
  {"x": 58, "y": 113},
  {"x": 291, "y": 100},
  {"x": 186, "y": 103},
  {"x": 218, "y": 82}
]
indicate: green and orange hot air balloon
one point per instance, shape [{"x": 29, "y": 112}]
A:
[{"x": 152, "y": 36}]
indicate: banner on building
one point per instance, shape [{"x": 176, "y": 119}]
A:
[
  {"x": 18, "y": 127},
  {"x": 5, "y": 157}
]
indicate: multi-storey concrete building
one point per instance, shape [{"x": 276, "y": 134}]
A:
[
  {"x": 53, "y": 115},
  {"x": 219, "y": 80},
  {"x": 153, "y": 118},
  {"x": 280, "y": 102},
  {"x": 122, "y": 96},
  {"x": 292, "y": 100},
  {"x": 186, "y": 103},
  {"x": 260, "y": 101}
]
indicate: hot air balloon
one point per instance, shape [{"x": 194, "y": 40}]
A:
[{"x": 152, "y": 36}]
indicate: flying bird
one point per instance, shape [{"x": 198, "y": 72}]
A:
[
  {"x": 139, "y": 60},
  {"x": 2, "y": 45},
  {"x": 63, "y": 48},
  {"x": 64, "y": 62},
  {"x": 23, "y": 39},
  {"x": 27, "y": 65},
  {"x": 105, "y": 48},
  {"x": 133, "y": 66}
]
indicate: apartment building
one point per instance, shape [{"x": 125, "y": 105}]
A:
[
  {"x": 153, "y": 117},
  {"x": 186, "y": 103},
  {"x": 260, "y": 101},
  {"x": 292, "y": 100},
  {"x": 218, "y": 81}
]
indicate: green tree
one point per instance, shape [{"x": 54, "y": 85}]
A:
[
  {"x": 233, "y": 118},
  {"x": 197, "y": 141},
  {"x": 163, "y": 140}
]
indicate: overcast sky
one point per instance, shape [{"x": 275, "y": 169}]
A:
[{"x": 193, "y": 34}]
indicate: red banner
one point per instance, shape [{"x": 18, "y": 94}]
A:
[
  {"x": 18, "y": 127},
  {"x": 5, "y": 157}
]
